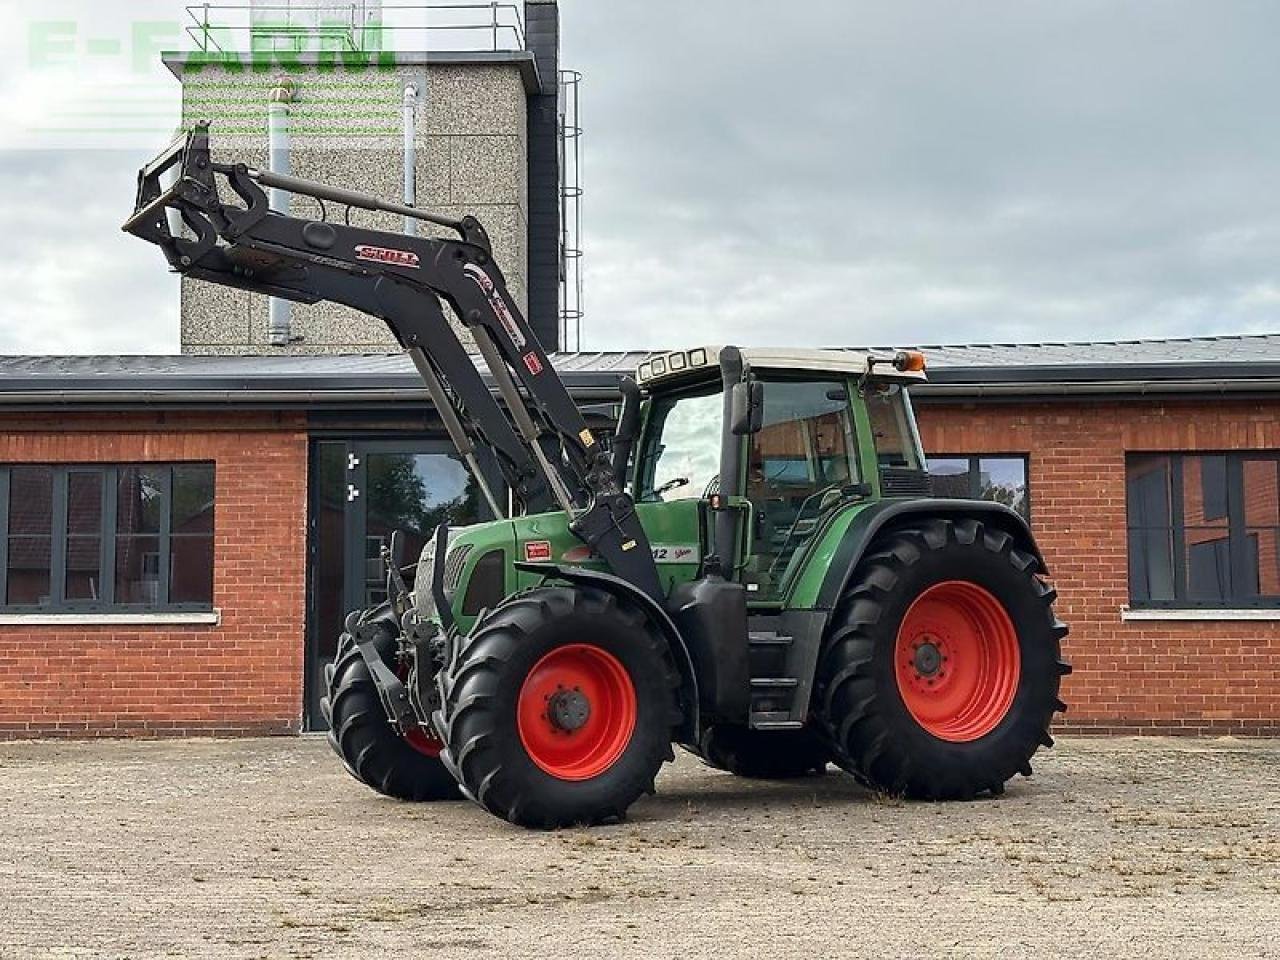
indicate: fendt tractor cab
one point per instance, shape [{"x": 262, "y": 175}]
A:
[{"x": 752, "y": 568}]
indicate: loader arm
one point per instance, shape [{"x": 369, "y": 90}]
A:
[{"x": 541, "y": 441}]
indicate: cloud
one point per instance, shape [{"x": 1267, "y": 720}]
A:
[
  {"x": 916, "y": 172},
  {"x": 72, "y": 282}
]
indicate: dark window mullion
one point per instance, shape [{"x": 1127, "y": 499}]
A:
[
  {"x": 1179, "y": 534},
  {"x": 166, "y": 530},
  {"x": 1026, "y": 484},
  {"x": 4, "y": 536},
  {"x": 110, "y": 490},
  {"x": 104, "y": 500},
  {"x": 975, "y": 479},
  {"x": 1238, "y": 559},
  {"x": 58, "y": 546}
]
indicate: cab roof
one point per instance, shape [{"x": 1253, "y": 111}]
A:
[{"x": 677, "y": 366}]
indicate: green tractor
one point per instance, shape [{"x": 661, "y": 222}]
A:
[{"x": 752, "y": 569}]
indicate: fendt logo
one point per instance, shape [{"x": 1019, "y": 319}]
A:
[{"x": 398, "y": 258}]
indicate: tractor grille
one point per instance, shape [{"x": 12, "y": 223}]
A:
[
  {"x": 897, "y": 482},
  {"x": 453, "y": 564}
]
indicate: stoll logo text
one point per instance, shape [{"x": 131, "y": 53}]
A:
[{"x": 399, "y": 258}]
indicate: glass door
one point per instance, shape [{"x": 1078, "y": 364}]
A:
[
  {"x": 362, "y": 492},
  {"x": 413, "y": 491}
]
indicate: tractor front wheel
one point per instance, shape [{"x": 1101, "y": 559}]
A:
[
  {"x": 405, "y": 767},
  {"x": 559, "y": 710},
  {"x": 941, "y": 673}
]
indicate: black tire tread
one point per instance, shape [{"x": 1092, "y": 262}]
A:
[
  {"x": 360, "y": 734},
  {"x": 850, "y": 705},
  {"x": 469, "y": 715}
]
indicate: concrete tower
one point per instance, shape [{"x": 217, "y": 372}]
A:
[{"x": 468, "y": 97}]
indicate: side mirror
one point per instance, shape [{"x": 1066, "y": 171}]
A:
[{"x": 747, "y": 402}]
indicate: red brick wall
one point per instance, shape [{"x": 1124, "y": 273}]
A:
[
  {"x": 242, "y": 676},
  {"x": 1136, "y": 676}
]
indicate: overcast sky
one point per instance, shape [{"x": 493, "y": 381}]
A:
[{"x": 825, "y": 173}]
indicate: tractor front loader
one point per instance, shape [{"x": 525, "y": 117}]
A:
[{"x": 754, "y": 570}]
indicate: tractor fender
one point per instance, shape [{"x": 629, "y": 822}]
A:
[
  {"x": 886, "y": 514},
  {"x": 659, "y": 617}
]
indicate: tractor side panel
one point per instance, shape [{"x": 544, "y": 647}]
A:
[
  {"x": 485, "y": 576},
  {"x": 675, "y": 532},
  {"x": 807, "y": 585},
  {"x": 678, "y": 538}
]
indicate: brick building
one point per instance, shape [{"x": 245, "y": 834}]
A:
[{"x": 1148, "y": 470}]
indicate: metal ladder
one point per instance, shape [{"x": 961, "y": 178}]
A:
[{"x": 773, "y": 689}]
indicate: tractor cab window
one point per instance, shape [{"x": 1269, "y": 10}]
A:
[
  {"x": 799, "y": 468},
  {"x": 892, "y": 426},
  {"x": 680, "y": 459}
]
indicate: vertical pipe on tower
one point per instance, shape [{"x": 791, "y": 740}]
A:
[
  {"x": 280, "y": 312},
  {"x": 410, "y": 155}
]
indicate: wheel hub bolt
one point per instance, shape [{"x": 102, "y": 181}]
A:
[{"x": 568, "y": 710}]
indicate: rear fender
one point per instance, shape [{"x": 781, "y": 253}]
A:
[
  {"x": 624, "y": 590},
  {"x": 882, "y": 517}
]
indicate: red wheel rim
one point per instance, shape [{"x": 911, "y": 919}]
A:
[
  {"x": 422, "y": 739},
  {"x": 957, "y": 661},
  {"x": 576, "y": 712}
]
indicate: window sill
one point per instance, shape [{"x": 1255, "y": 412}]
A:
[
  {"x": 1194, "y": 613},
  {"x": 121, "y": 619}
]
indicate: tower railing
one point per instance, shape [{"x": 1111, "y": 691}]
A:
[{"x": 299, "y": 27}]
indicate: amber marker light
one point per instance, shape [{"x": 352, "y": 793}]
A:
[{"x": 909, "y": 361}]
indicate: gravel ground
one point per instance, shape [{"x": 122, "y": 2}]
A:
[{"x": 266, "y": 848}]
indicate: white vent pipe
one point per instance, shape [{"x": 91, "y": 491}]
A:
[
  {"x": 280, "y": 312},
  {"x": 410, "y": 155}
]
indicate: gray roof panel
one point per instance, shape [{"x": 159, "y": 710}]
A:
[{"x": 1214, "y": 362}]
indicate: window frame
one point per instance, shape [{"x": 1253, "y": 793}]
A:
[
  {"x": 975, "y": 473},
  {"x": 1236, "y": 530},
  {"x": 645, "y": 455},
  {"x": 107, "y": 537}
]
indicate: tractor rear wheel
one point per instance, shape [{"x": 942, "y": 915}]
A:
[
  {"x": 941, "y": 672},
  {"x": 405, "y": 767},
  {"x": 560, "y": 708},
  {"x": 763, "y": 754}
]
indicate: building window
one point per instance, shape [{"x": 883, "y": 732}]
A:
[
  {"x": 87, "y": 538},
  {"x": 1002, "y": 479},
  {"x": 1203, "y": 529}
]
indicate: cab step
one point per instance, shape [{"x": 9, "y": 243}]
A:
[
  {"x": 773, "y": 703},
  {"x": 774, "y": 720},
  {"x": 768, "y": 652},
  {"x": 769, "y": 640},
  {"x": 774, "y": 683}
]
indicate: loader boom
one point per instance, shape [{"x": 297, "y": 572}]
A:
[{"x": 543, "y": 447}]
